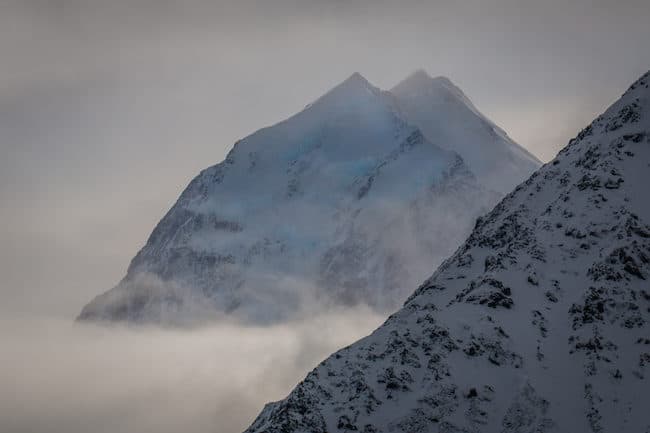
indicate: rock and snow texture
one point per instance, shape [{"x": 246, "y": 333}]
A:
[
  {"x": 538, "y": 323},
  {"x": 346, "y": 202}
]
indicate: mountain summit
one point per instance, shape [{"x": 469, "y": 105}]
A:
[
  {"x": 346, "y": 202},
  {"x": 448, "y": 118},
  {"x": 538, "y": 323}
]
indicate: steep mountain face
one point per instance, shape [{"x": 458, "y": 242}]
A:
[
  {"x": 447, "y": 117},
  {"x": 345, "y": 202},
  {"x": 538, "y": 323}
]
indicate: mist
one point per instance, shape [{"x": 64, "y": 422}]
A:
[{"x": 62, "y": 377}]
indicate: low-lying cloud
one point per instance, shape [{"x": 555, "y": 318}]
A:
[{"x": 62, "y": 377}]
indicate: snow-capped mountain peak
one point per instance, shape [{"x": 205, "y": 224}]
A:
[
  {"x": 356, "y": 79},
  {"x": 350, "y": 93},
  {"x": 448, "y": 117},
  {"x": 420, "y": 83},
  {"x": 345, "y": 202}
]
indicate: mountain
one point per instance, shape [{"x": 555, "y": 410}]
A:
[
  {"x": 346, "y": 202},
  {"x": 540, "y": 321},
  {"x": 448, "y": 118}
]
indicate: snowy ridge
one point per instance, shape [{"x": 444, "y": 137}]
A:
[
  {"x": 446, "y": 116},
  {"x": 346, "y": 202},
  {"x": 538, "y": 323}
]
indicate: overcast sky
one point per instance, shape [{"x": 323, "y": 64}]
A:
[{"x": 109, "y": 108}]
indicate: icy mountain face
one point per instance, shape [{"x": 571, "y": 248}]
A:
[
  {"x": 345, "y": 202},
  {"x": 448, "y": 118},
  {"x": 538, "y": 323}
]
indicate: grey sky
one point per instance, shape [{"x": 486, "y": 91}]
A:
[{"x": 108, "y": 108}]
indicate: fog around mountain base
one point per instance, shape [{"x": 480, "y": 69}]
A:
[{"x": 62, "y": 377}]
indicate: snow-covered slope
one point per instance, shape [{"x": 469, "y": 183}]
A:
[
  {"x": 345, "y": 202},
  {"x": 538, "y": 323},
  {"x": 448, "y": 118}
]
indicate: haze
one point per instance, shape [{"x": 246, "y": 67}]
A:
[{"x": 109, "y": 108}]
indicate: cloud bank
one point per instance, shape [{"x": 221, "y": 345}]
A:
[{"x": 60, "y": 377}]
